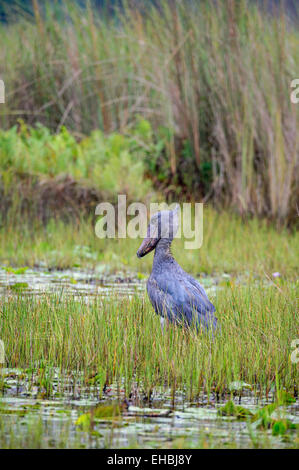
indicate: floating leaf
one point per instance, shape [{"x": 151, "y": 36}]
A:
[
  {"x": 141, "y": 276},
  {"x": 84, "y": 422},
  {"x": 107, "y": 411},
  {"x": 238, "y": 385},
  {"x": 100, "y": 412},
  {"x": 149, "y": 412}
]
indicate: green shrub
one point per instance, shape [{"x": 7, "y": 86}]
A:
[
  {"x": 113, "y": 164},
  {"x": 218, "y": 75}
]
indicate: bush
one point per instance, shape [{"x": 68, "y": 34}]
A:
[
  {"x": 112, "y": 165},
  {"x": 218, "y": 75}
]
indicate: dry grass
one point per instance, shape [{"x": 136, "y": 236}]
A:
[{"x": 218, "y": 76}]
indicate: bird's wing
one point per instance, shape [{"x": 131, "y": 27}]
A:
[
  {"x": 162, "y": 300},
  {"x": 199, "y": 291},
  {"x": 182, "y": 298}
]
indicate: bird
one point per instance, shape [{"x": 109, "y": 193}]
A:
[{"x": 175, "y": 295}]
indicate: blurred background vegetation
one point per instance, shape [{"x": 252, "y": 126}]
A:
[{"x": 187, "y": 99}]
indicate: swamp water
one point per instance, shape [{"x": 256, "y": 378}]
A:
[{"x": 78, "y": 414}]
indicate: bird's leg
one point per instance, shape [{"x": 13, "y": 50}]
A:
[{"x": 162, "y": 321}]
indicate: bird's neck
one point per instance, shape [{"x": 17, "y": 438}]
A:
[{"x": 162, "y": 252}]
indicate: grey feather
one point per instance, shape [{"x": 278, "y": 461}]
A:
[{"x": 173, "y": 293}]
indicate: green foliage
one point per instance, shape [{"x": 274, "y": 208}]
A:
[
  {"x": 285, "y": 398},
  {"x": 19, "y": 286},
  {"x": 215, "y": 75},
  {"x": 230, "y": 409},
  {"x": 12, "y": 270},
  {"x": 101, "y": 412},
  {"x": 280, "y": 427},
  {"x": 114, "y": 164},
  {"x": 265, "y": 417},
  {"x": 84, "y": 422}
]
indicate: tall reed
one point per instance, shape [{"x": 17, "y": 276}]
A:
[{"x": 217, "y": 75}]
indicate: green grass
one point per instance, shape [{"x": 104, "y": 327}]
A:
[
  {"x": 120, "y": 341},
  {"x": 229, "y": 245}
]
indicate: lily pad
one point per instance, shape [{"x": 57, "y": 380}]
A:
[
  {"x": 238, "y": 385},
  {"x": 100, "y": 412}
]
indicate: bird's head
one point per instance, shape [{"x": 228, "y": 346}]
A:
[{"x": 163, "y": 224}]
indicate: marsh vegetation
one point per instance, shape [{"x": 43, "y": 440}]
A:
[
  {"x": 213, "y": 81},
  {"x": 89, "y": 365},
  {"x": 184, "y": 104}
]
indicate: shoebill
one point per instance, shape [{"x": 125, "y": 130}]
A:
[{"x": 174, "y": 294}]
